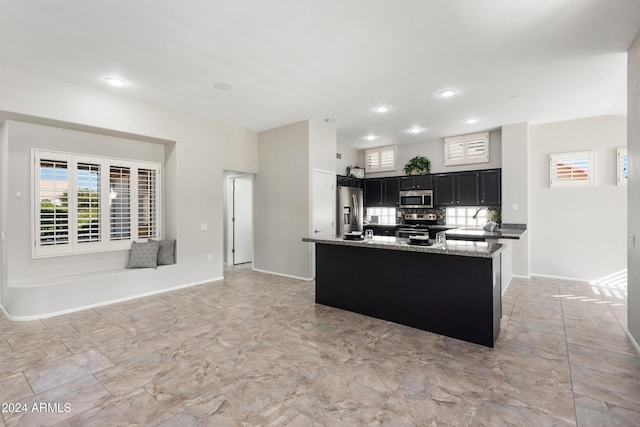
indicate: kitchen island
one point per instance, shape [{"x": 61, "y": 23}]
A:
[{"x": 451, "y": 289}]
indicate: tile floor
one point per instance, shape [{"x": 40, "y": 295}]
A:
[{"x": 254, "y": 350}]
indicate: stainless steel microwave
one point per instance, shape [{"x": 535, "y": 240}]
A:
[{"x": 416, "y": 199}]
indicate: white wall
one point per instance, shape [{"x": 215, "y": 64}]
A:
[
  {"x": 322, "y": 146},
  {"x": 515, "y": 173},
  {"x": 282, "y": 201},
  {"x": 194, "y": 194},
  {"x": 515, "y": 190},
  {"x": 287, "y": 156},
  {"x": 633, "y": 252},
  {"x": 349, "y": 157},
  {"x": 434, "y": 151},
  {"x": 577, "y": 232},
  {"x": 4, "y": 176}
]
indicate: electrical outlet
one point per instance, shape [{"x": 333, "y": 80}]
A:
[
  {"x": 515, "y": 206},
  {"x": 209, "y": 257},
  {"x": 204, "y": 226},
  {"x": 632, "y": 239}
]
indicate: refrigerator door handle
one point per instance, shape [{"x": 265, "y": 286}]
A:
[{"x": 354, "y": 200}]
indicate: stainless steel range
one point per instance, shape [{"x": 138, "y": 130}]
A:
[{"x": 416, "y": 224}]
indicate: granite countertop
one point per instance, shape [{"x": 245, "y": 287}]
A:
[
  {"x": 506, "y": 231},
  {"x": 451, "y": 247}
]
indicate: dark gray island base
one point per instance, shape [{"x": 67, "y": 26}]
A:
[{"x": 436, "y": 289}]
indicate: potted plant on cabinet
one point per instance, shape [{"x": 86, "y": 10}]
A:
[{"x": 419, "y": 165}]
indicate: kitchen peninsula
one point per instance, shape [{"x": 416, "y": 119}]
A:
[{"x": 451, "y": 289}]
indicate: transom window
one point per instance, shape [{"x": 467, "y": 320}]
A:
[
  {"x": 380, "y": 159},
  {"x": 93, "y": 204},
  {"x": 466, "y": 149}
]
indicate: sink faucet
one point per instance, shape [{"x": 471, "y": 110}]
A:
[{"x": 481, "y": 209}]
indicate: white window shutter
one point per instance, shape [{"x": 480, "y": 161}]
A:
[
  {"x": 88, "y": 205},
  {"x": 147, "y": 204},
  {"x": 372, "y": 160},
  {"x": 380, "y": 159},
  {"x": 120, "y": 206},
  {"x": 85, "y": 204},
  {"x": 571, "y": 169},
  {"x": 51, "y": 211},
  {"x": 466, "y": 149},
  {"x": 623, "y": 166}
]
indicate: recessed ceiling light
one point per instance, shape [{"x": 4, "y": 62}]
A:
[
  {"x": 114, "y": 81},
  {"x": 381, "y": 109},
  {"x": 471, "y": 121},
  {"x": 447, "y": 93},
  {"x": 223, "y": 85},
  {"x": 416, "y": 129},
  {"x": 370, "y": 137}
]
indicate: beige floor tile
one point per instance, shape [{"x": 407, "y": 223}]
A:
[
  {"x": 608, "y": 362},
  {"x": 614, "y": 342},
  {"x": 19, "y": 360},
  {"x": 42, "y": 337},
  {"x": 496, "y": 413},
  {"x": 14, "y": 387},
  {"x": 550, "y": 393},
  {"x": 60, "y": 403},
  {"x": 594, "y": 413},
  {"x": 615, "y": 390},
  {"x": 51, "y": 373},
  {"x": 5, "y": 347},
  {"x": 255, "y": 349},
  {"x": 136, "y": 408}
]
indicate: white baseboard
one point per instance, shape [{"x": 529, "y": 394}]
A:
[
  {"x": 520, "y": 276},
  {"x": 306, "y": 279},
  {"x": 633, "y": 341},
  {"x": 103, "y": 303},
  {"x": 551, "y": 276}
]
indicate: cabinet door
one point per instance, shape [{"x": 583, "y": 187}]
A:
[
  {"x": 490, "y": 188},
  {"x": 341, "y": 180},
  {"x": 391, "y": 192},
  {"x": 424, "y": 182},
  {"x": 466, "y": 188},
  {"x": 444, "y": 190},
  {"x": 407, "y": 183},
  {"x": 373, "y": 192}
]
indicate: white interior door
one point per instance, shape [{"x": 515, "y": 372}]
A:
[
  {"x": 323, "y": 204},
  {"x": 242, "y": 244}
]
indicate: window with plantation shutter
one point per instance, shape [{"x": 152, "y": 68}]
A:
[
  {"x": 571, "y": 169},
  {"x": 380, "y": 159},
  {"x": 466, "y": 149},
  {"x": 147, "y": 204},
  {"x": 52, "y": 212},
  {"x": 623, "y": 166},
  {"x": 120, "y": 206},
  {"x": 88, "y": 204}
]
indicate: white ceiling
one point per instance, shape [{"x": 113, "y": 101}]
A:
[{"x": 291, "y": 60}]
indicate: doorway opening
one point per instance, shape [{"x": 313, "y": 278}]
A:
[{"x": 238, "y": 218}]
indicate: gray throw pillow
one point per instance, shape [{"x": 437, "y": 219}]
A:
[
  {"x": 144, "y": 255},
  {"x": 167, "y": 252}
]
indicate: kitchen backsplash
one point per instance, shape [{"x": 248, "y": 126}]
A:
[{"x": 441, "y": 212}]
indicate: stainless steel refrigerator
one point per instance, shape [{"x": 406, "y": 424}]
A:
[{"x": 350, "y": 210}]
